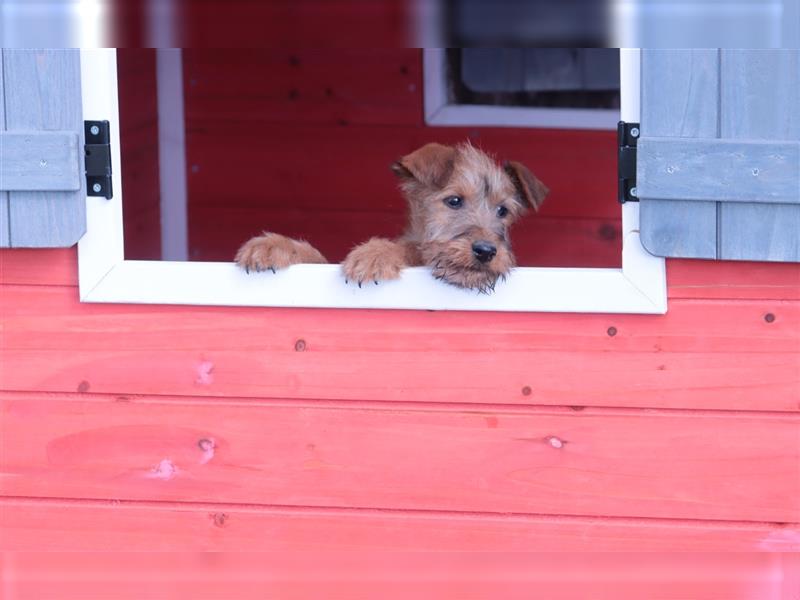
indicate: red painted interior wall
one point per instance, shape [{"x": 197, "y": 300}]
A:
[
  {"x": 300, "y": 142},
  {"x": 136, "y": 76}
]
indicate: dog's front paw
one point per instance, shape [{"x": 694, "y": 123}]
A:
[
  {"x": 272, "y": 251},
  {"x": 376, "y": 260}
]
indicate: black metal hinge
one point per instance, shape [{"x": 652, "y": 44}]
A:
[
  {"x": 627, "y": 136},
  {"x": 98, "y": 159}
]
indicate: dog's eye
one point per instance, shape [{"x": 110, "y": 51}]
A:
[
  {"x": 502, "y": 211},
  {"x": 454, "y": 201}
]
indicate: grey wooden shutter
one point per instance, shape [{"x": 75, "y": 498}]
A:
[
  {"x": 718, "y": 167},
  {"x": 42, "y": 182}
]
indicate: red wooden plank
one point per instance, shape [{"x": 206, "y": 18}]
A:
[
  {"x": 39, "y": 266},
  {"x": 733, "y": 279},
  {"x": 86, "y": 526},
  {"x": 537, "y": 241},
  {"x": 138, "y": 106},
  {"x": 542, "y": 461},
  {"x": 380, "y": 86},
  {"x": 329, "y": 24},
  {"x": 702, "y": 354},
  {"x": 319, "y": 573},
  {"x": 316, "y": 166},
  {"x": 136, "y": 71},
  {"x": 143, "y": 235},
  {"x": 140, "y": 170},
  {"x": 751, "y": 381}
]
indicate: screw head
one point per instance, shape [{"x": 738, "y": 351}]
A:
[
  {"x": 634, "y": 132},
  {"x": 634, "y": 192},
  {"x": 94, "y": 129},
  {"x": 97, "y": 188}
]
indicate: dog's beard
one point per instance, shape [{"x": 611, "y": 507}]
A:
[{"x": 453, "y": 262}]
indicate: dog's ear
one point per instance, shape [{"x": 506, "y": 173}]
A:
[
  {"x": 531, "y": 191},
  {"x": 430, "y": 165}
]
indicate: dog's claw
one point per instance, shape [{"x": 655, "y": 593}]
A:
[
  {"x": 247, "y": 269},
  {"x": 359, "y": 285},
  {"x": 376, "y": 283},
  {"x": 273, "y": 270}
]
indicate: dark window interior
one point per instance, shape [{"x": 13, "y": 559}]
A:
[{"x": 543, "y": 77}]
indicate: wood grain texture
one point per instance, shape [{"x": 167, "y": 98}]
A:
[
  {"x": 138, "y": 107},
  {"x": 40, "y": 161},
  {"x": 249, "y": 25},
  {"x": 760, "y": 94},
  {"x": 720, "y": 127},
  {"x": 5, "y": 226},
  {"x": 43, "y": 92},
  {"x": 542, "y": 461},
  {"x": 318, "y": 572},
  {"x": 536, "y": 240},
  {"x": 287, "y": 174},
  {"x": 685, "y": 278},
  {"x": 680, "y": 89},
  {"x": 757, "y": 232},
  {"x": 39, "y": 266},
  {"x": 760, "y": 100},
  {"x": 751, "y": 171},
  {"x": 729, "y": 280},
  {"x": 379, "y": 86},
  {"x": 735, "y": 360},
  {"x": 116, "y": 525}
]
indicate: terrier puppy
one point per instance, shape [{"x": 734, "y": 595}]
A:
[{"x": 461, "y": 204}]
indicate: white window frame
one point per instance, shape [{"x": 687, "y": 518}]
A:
[
  {"x": 441, "y": 111},
  {"x": 105, "y": 276}
]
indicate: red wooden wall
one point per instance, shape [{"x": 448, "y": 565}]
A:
[
  {"x": 299, "y": 141},
  {"x": 202, "y": 428},
  {"x": 484, "y": 437}
]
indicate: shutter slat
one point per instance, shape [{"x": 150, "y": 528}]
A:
[
  {"x": 42, "y": 93},
  {"x": 759, "y": 232},
  {"x": 39, "y": 161},
  {"x": 678, "y": 227},
  {"x": 5, "y": 226},
  {"x": 709, "y": 169},
  {"x": 760, "y": 99}
]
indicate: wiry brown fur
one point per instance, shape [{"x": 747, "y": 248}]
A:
[{"x": 437, "y": 235}]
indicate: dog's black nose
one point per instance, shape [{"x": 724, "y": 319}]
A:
[{"x": 484, "y": 251}]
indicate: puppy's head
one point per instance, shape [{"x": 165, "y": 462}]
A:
[{"x": 461, "y": 206}]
